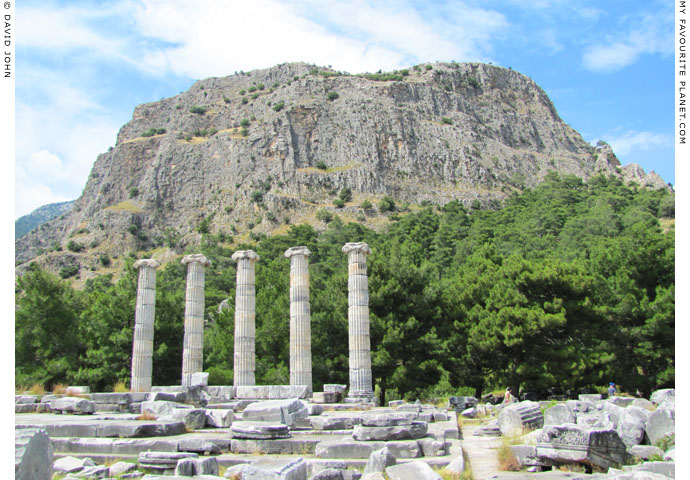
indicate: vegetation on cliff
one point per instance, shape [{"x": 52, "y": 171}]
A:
[{"x": 569, "y": 285}]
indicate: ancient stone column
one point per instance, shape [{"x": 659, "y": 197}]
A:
[
  {"x": 144, "y": 312},
  {"x": 245, "y": 318},
  {"x": 300, "y": 317},
  {"x": 193, "y": 346},
  {"x": 358, "y": 323}
]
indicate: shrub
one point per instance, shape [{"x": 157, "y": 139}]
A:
[
  {"x": 473, "y": 82},
  {"x": 386, "y": 204},
  {"x": 257, "y": 196},
  {"x": 244, "y": 100},
  {"x": 366, "y": 204},
  {"x": 104, "y": 258},
  {"x": 73, "y": 246},
  {"x": 333, "y": 95},
  {"x": 446, "y": 121},
  {"x": 198, "y": 110},
  {"x": 255, "y": 96},
  {"x": 244, "y": 132},
  {"x": 339, "y": 203},
  {"x": 321, "y": 165},
  {"x": 133, "y": 192},
  {"x": 120, "y": 387},
  {"x": 251, "y": 89},
  {"x": 69, "y": 271},
  {"x": 345, "y": 194},
  {"x": 242, "y": 92},
  {"x": 428, "y": 67},
  {"x": 149, "y": 133},
  {"x": 244, "y": 122},
  {"x": 204, "y": 225},
  {"x": 324, "y": 215},
  {"x": 226, "y": 99},
  {"x": 279, "y": 106},
  {"x": 261, "y": 86}
]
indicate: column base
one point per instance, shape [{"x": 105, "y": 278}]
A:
[{"x": 361, "y": 397}]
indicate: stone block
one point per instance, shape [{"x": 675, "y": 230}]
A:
[
  {"x": 643, "y": 403},
  {"x": 276, "y": 469},
  {"x": 457, "y": 464},
  {"x": 162, "y": 463},
  {"x": 219, "y": 417},
  {"x": 516, "y": 418},
  {"x": 379, "y": 460},
  {"x": 579, "y": 444},
  {"x": 412, "y": 471},
  {"x": 631, "y": 427},
  {"x": 193, "y": 418},
  {"x": 614, "y": 412},
  {"x": 526, "y": 455},
  {"x": 410, "y": 407},
  {"x": 621, "y": 401},
  {"x": 589, "y": 397},
  {"x": 663, "y": 396},
  {"x": 661, "y": 423},
  {"x": 667, "y": 469},
  {"x": 432, "y": 447},
  {"x": 346, "y": 449},
  {"x": 272, "y": 392},
  {"x": 197, "y": 445},
  {"x": 226, "y": 392},
  {"x": 78, "y": 390},
  {"x": 284, "y": 411},
  {"x": 440, "y": 416},
  {"x": 33, "y": 454},
  {"x": 645, "y": 452},
  {"x": 73, "y": 405},
  {"x": 26, "y": 407},
  {"x": 160, "y": 408},
  {"x": 112, "y": 398},
  {"x": 579, "y": 406},
  {"x": 96, "y": 471},
  {"x": 342, "y": 421},
  {"x": 326, "y": 397},
  {"x": 259, "y": 430},
  {"x": 314, "y": 409},
  {"x": 414, "y": 430},
  {"x": 26, "y": 399},
  {"x": 404, "y": 448},
  {"x": 328, "y": 474},
  {"x": 387, "y": 419},
  {"x": 670, "y": 455},
  {"x": 120, "y": 468},
  {"x": 71, "y": 464},
  {"x": 335, "y": 387},
  {"x": 559, "y": 414},
  {"x": 200, "y": 379}
]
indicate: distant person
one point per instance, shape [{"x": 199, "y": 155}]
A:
[
  {"x": 612, "y": 389},
  {"x": 509, "y": 397}
]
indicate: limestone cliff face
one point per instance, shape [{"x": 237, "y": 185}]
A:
[{"x": 250, "y": 151}]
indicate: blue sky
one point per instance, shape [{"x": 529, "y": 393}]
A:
[{"x": 82, "y": 67}]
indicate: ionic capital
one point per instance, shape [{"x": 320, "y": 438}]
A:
[
  {"x": 357, "y": 246},
  {"x": 196, "y": 258},
  {"x": 297, "y": 251},
  {"x": 146, "y": 262},
  {"x": 240, "y": 254}
]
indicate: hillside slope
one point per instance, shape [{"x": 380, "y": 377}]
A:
[{"x": 252, "y": 152}]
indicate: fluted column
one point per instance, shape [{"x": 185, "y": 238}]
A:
[
  {"x": 358, "y": 323},
  {"x": 193, "y": 347},
  {"x": 245, "y": 318},
  {"x": 300, "y": 317},
  {"x": 144, "y": 314}
]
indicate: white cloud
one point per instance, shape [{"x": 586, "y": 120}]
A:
[
  {"x": 610, "y": 57},
  {"x": 625, "y": 143},
  {"x": 649, "y": 33}
]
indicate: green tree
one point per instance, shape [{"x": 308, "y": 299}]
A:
[{"x": 46, "y": 344}]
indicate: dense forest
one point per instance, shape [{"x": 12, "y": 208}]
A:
[{"x": 568, "y": 285}]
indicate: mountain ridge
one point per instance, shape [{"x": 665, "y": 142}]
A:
[{"x": 247, "y": 154}]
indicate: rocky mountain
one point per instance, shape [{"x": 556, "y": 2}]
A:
[
  {"x": 252, "y": 152},
  {"x": 41, "y": 215}
]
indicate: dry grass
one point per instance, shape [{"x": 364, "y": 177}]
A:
[
  {"x": 506, "y": 460},
  {"x": 147, "y": 416},
  {"x": 37, "y": 389},
  {"x": 60, "y": 389},
  {"x": 120, "y": 387},
  {"x": 125, "y": 206}
]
